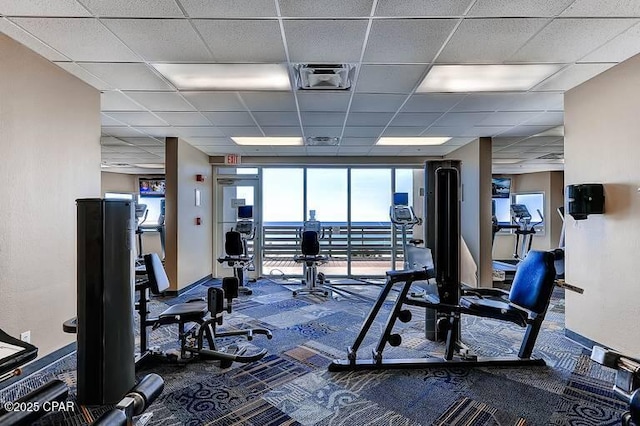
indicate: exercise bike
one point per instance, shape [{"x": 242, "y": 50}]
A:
[
  {"x": 311, "y": 257},
  {"x": 236, "y": 247}
]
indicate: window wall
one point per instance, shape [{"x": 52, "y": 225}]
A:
[{"x": 351, "y": 203}]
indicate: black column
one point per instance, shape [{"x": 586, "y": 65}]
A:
[{"x": 106, "y": 368}]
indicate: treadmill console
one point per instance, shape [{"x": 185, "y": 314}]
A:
[
  {"x": 244, "y": 226},
  {"x": 402, "y": 215},
  {"x": 520, "y": 212}
]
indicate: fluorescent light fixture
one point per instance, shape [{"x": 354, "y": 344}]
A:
[
  {"x": 412, "y": 141},
  {"x": 268, "y": 141},
  {"x": 506, "y": 160},
  {"x": 226, "y": 76},
  {"x": 485, "y": 78}
]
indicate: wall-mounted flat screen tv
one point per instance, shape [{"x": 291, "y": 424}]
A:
[
  {"x": 500, "y": 187},
  {"x": 152, "y": 187}
]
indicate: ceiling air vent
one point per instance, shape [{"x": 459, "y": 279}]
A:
[
  {"x": 324, "y": 76},
  {"x": 322, "y": 141}
]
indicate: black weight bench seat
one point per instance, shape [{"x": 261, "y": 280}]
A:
[
  {"x": 197, "y": 309},
  {"x": 159, "y": 283}
]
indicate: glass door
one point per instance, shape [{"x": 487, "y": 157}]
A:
[{"x": 234, "y": 196}]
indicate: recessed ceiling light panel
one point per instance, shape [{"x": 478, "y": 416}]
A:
[
  {"x": 485, "y": 78},
  {"x": 412, "y": 141},
  {"x": 276, "y": 141},
  {"x": 226, "y": 76}
]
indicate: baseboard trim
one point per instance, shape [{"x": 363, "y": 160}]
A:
[
  {"x": 581, "y": 340},
  {"x": 40, "y": 364},
  {"x": 189, "y": 287}
]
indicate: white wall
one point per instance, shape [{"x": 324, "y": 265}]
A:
[
  {"x": 601, "y": 146},
  {"x": 49, "y": 157}
]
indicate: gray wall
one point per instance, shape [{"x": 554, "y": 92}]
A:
[{"x": 49, "y": 157}]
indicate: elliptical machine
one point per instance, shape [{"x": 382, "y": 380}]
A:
[
  {"x": 403, "y": 216},
  {"x": 521, "y": 217}
]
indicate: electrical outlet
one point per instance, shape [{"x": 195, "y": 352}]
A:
[{"x": 26, "y": 336}]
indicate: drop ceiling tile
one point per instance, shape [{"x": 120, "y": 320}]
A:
[
  {"x": 367, "y": 102},
  {"x": 199, "y": 131},
  {"x": 161, "y": 101},
  {"x": 323, "y": 118},
  {"x": 446, "y": 131},
  {"x": 525, "y": 130},
  {"x": 460, "y": 119},
  {"x": 406, "y": 40},
  {"x": 42, "y": 8},
  {"x": 567, "y": 40},
  {"x": 326, "y": 8},
  {"x": 127, "y": 76},
  {"x": 122, "y": 132},
  {"x": 362, "y": 132},
  {"x": 220, "y": 150},
  {"x": 241, "y": 131},
  {"x": 333, "y": 41},
  {"x": 389, "y": 78},
  {"x": 547, "y": 119},
  {"x": 290, "y": 150},
  {"x": 391, "y": 151},
  {"x": 484, "y": 131},
  {"x": 593, "y": 8},
  {"x": 508, "y": 118},
  {"x": 109, "y": 121},
  {"x": 137, "y": 118},
  {"x": 421, "y": 8},
  {"x": 460, "y": 141},
  {"x": 417, "y": 119},
  {"x": 269, "y": 101},
  {"x": 80, "y": 39},
  {"x": 160, "y": 132},
  {"x": 184, "y": 118},
  {"x": 134, "y": 9},
  {"x": 331, "y": 132},
  {"x": 214, "y": 101},
  {"x": 618, "y": 49},
  {"x": 535, "y": 101},
  {"x": 116, "y": 101},
  {"x": 147, "y": 143},
  {"x": 369, "y": 118},
  {"x": 353, "y": 150},
  {"x": 489, "y": 40},
  {"x": 432, "y": 102},
  {"x": 364, "y": 142},
  {"x": 282, "y": 131},
  {"x": 521, "y": 8},
  {"x": 315, "y": 101},
  {"x": 84, "y": 75},
  {"x": 243, "y": 41},
  {"x": 211, "y": 141},
  {"x": 571, "y": 76},
  {"x": 275, "y": 118},
  {"x": 485, "y": 102},
  {"x": 238, "y": 118},
  {"x": 12, "y": 30},
  {"x": 107, "y": 142},
  {"x": 424, "y": 151},
  {"x": 404, "y": 131},
  {"x": 169, "y": 40},
  {"x": 229, "y": 9}
]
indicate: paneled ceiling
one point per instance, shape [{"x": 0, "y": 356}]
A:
[{"x": 112, "y": 46}]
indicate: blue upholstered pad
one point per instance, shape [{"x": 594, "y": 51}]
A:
[{"x": 533, "y": 284}]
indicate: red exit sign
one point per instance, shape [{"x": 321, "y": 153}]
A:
[{"x": 232, "y": 159}]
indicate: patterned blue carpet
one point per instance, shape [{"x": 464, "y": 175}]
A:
[{"x": 291, "y": 385}]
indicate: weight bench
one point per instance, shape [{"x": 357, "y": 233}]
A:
[
  {"x": 191, "y": 317},
  {"x": 525, "y": 305},
  {"x": 14, "y": 353}
]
